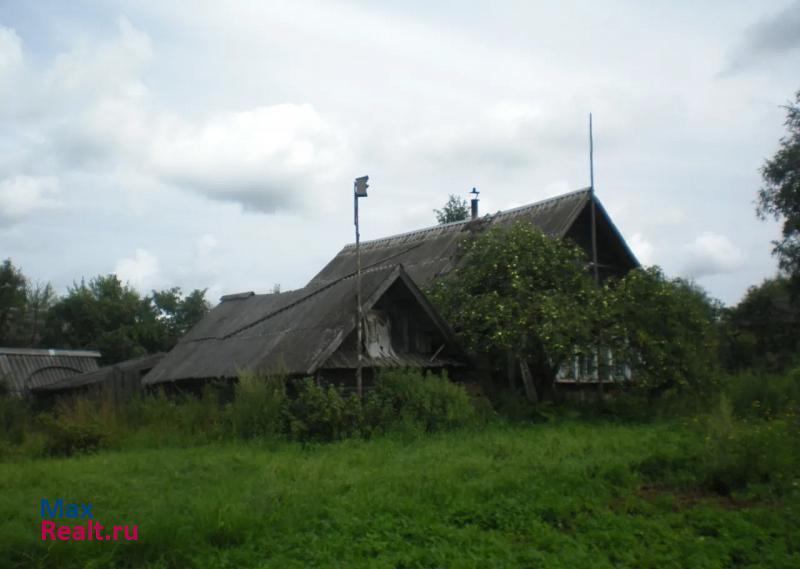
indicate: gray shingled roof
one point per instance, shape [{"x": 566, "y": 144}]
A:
[
  {"x": 430, "y": 252},
  {"x": 291, "y": 333},
  {"x": 27, "y": 369}
]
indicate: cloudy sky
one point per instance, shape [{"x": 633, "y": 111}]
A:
[{"x": 213, "y": 144}]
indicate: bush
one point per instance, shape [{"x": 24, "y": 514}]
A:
[
  {"x": 411, "y": 399},
  {"x": 14, "y": 415},
  {"x": 317, "y": 413},
  {"x": 258, "y": 407},
  {"x": 740, "y": 453},
  {"x": 759, "y": 395},
  {"x": 65, "y": 437}
]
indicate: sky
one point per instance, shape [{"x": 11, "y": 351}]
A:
[{"x": 214, "y": 144}]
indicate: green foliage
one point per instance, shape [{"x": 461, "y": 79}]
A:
[
  {"x": 456, "y": 209},
  {"x": 14, "y": 417},
  {"x": 517, "y": 290},
  {"x": 318, "y": 413},
  {"x": 764, "y": 396},
  {"x": 741, "y": 453},
  {"x": 258, "y": 407},
  {"x": 12, "y": 300},
  {"x": 72, "y": 432},
  {"x": 557, "y": 495},
  {"x": 780, "y": 195},
  {"x": 412, "y": 401},
  {"x": 761, "y": 331},
  {"x": 106, "y": 315},
  {"x": 664, "y": 329}
]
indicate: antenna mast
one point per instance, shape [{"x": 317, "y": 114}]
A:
[{"x": 591, "y": 197}]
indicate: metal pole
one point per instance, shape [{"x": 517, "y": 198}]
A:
[
  {"x": 591, "y": 196},
  {"x": 596, "y": 355},
  {"x": 359, "y": 387}
]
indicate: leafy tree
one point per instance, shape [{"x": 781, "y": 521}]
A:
[
  {"x": 104, "y": 315},
  {"x": 518, "y": 292},
  {"x": 664, "y": 329},
  {"x": 780, "y": 195},
  {"x": 177, "y": 314},
  {"x": 13, "y": 300},
  {"x": 40, "y": 298},
  {"x": 456, "y": 209},
  {"x": 113, "y": 318},
  {"x": 763, "y": 330}
]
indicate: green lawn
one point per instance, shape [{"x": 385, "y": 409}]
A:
[{"x": 559, "y": 495}]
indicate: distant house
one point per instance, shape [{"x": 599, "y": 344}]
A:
[
  {"x": 310, "y": 331},
  {"x": 25, "y": 370}
]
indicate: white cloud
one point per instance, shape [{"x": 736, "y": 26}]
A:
[
  {"x": 141, "y": 271},
  {"x": 711, "y": 254},
  {"x": 22, "y": 196},
  {"x": 642, "y": 248},
  {"x": 266, "y": 158}
]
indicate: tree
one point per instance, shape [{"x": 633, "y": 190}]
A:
[
  {"x": 456, "y": 209},
  {"x": 780, "y": 195},
  {"x": 13, "y": 300},
  {"x": 178, "y": 314},
  {"x": 763, "y": 330},
  {"x": 104, "y": 315},
  {"x": 113, "y": 318},
  {"x": 518, "y": 292},
  {"x": 664, "y": 329}
]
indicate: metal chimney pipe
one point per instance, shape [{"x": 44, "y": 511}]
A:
[{"x": 474, "y": 203}]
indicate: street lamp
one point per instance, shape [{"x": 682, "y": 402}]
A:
[{"x": 359, "y": 191}]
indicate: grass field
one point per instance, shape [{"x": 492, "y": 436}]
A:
[{"x": 551, "y": 495}]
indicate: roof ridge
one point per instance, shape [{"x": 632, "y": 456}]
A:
[
  {"x": 454, "y": 224},
  {"x": 314, "y": 292}
]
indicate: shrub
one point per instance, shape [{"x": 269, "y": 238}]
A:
[
  {"x": 765, "y": 396},
  {"x": 65, "y": 436},
  {"x": 410, "y": 398},
  {"x": 258, "y": 407},
  {"x": 740, "y": 453},
  {"x": 322, "y": 414},
  {"x": 14, "y": 415}
]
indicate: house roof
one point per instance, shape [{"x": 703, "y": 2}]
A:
[
  {"x": 27, "y": 369},
  {"x": 292, "y": 332},
  {"x": 431, "y": 252},
  {"x": 103, "y": 374}
]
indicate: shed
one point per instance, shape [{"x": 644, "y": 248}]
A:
[
  {"x": 24, "y": 370},
  {"x": 122, "y": 379}
]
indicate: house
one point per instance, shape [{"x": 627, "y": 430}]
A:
[
  {"x": 312, "y": 332},
  {"x": 25, "y": 370},
  {"x": 121, "y": 380},
  {"x": 431, "y": 253}
]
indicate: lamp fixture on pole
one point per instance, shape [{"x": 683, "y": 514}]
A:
[{"x": 359, "y": 191}]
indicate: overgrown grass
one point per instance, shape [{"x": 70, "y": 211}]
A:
[
  {"x": 250, "y": 483},
  {"x": 560, "y": 495}
]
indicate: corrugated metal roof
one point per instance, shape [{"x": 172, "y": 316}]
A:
[
  {"x": 292, "y": 332},
  {"x": 103, "y": 374},
  {"x": 26, "y": 369}
]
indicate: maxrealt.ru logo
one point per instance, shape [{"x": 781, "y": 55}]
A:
[{"x": 90, "y": 530}]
